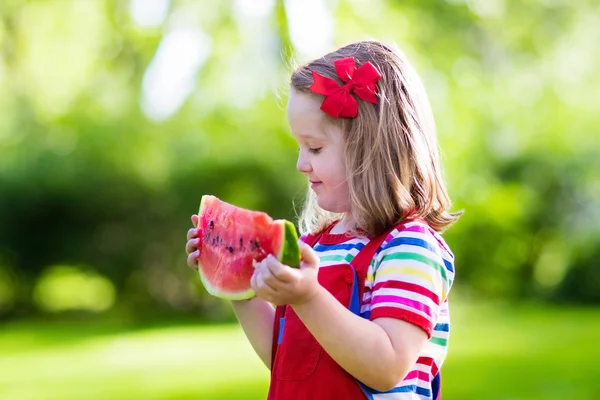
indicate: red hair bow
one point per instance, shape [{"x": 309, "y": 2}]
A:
[{"x": 339, "y": 101}]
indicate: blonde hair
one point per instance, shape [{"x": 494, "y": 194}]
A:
[{"x": 391, "y": 152}]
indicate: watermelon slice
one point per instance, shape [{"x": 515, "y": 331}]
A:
[{"x": 231, "y": 238}]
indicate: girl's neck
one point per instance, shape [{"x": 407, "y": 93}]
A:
[{"x": 343, "y": 225}]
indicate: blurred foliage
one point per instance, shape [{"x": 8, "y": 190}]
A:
[{"x": 113, "y": 124}]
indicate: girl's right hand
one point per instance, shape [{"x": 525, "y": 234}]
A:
[{"x": 191, "y": 247}]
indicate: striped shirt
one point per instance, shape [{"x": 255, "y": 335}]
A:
[{"x": 408, "y": 278}]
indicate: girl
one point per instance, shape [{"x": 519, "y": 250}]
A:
[{"x": 366, "y": 315}]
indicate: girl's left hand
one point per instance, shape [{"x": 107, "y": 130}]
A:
[{"x": 280, "y": 284}]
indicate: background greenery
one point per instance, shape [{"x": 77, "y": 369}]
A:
[{"x": 116, "y": 116}]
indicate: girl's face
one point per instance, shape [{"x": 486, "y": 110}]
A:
[{"x": 321, "y": 151}]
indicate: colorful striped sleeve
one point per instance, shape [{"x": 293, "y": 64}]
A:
[{"x": 413, "y": 274}]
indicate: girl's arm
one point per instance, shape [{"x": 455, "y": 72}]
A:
[
  {"x": 256, "y": 316},
  {"x": 378, "y": 353}
]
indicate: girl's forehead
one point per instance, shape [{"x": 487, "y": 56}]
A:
[{"x": 305, "y": 116}]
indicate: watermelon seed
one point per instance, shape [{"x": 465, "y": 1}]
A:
[
  {"x": 211, "y": 225},
  {"x": 230, "y": 249},
  {"x": 241, "y": 243}
]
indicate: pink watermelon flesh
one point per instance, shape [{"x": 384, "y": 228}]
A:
[{"x": 231, "y": 238}]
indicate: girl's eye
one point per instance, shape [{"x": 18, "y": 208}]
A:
[{"x": 315, "y": 150}]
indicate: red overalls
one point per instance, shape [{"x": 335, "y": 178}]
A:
[{"x": 300, "y": 368}]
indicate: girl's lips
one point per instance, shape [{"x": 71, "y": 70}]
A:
[{"x": 315, "y": 184}]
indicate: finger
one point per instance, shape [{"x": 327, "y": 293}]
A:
[
  {"x": 279, "y": 271},
  {"x": 253, "y": 284},
  {"x": 263, "y": 275},
  {"x": 263, "y": 288},
  {"x": 268, "y": 278},
  {"x": 260, "y": 265},
  {"x": 192, "y": 233},
  {"x": 308, "y": 255},
  {"x": 192, "y": 260},
  {"x": 195, "y": 220},
  {"x": 192, "y": 245}
]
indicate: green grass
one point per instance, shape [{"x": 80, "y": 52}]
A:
[{"x": 496, "y": 353}]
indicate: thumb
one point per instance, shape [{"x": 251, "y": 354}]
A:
[
  {"x": 308, "y": 256},
  {"x": 195, "y": 220}
]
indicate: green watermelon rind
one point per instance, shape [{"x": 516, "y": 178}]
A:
[{"x": 290, "y": 251}]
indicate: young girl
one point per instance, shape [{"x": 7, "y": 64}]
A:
[{"x": 366, "y": 315}]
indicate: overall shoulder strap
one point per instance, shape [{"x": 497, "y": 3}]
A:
[{"x": 362, "y": 260}]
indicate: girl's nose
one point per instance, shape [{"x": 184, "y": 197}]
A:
[{"x": 303, "y": 165}]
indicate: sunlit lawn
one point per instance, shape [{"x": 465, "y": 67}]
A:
[{"x": 531, "y": 353}]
